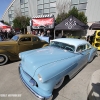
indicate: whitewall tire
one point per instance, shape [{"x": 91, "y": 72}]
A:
[
  {"x": 3, "y": 59},
  {"x": 59, "y": 83}
]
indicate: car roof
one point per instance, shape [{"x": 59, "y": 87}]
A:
[
  {"x": 71, "y": 41},
  {"x": 21, "y": 35}
]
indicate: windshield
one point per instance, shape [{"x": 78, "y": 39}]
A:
[
  {"x": 15, "y": 38},
  {"x": 63, "y": 46}
]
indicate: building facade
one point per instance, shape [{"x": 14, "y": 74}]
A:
[{"x": 32, "y": 8}]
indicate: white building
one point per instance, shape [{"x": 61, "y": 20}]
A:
[{"x": 32, "y": 8}]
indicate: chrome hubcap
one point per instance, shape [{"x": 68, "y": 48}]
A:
[
  {"x": 59, "y": 83},
  {"x": 1, "y": 59}
]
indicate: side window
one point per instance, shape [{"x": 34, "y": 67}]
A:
[
  {"x": 35, "y": 39},
  {"x": 25, "y": 39},
  {"x": 81, "y": 48},
  {"x": 88, "y": 46}
]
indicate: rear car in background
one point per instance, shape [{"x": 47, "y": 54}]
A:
[{"x": 10, "y": 49}]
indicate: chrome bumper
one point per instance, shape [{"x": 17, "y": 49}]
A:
[{"x": 39, "y": 97}]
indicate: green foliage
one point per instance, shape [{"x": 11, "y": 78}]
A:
[
  {"x": 21, "y": 22},
  {"x": 82, "y": 17},
  {"x": 61, "y": 17},
  {"x": 74, "y": 11}
]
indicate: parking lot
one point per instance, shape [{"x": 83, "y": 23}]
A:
[{"x": 11, "y": 87}]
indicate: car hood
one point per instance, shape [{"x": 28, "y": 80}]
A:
[{"x": 34, "y": 59}]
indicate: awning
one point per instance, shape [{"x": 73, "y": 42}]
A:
[
  {"x": 95, "y": 26},
  {"x": 71, "y": 24}
]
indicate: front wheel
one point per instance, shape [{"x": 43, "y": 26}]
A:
[
  {"x": 59, "y": 83},
  {"x": 3, "y": 59}
]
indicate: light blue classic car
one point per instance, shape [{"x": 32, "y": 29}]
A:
[{"x": 44, "y": 69}]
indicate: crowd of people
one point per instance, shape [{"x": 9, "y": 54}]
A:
[
  {"x": 4, "y": 35},
  {"x": 8, "y": 35},
  {"x": 90, "y": 38},
  {"x": 42, "y": 33}
]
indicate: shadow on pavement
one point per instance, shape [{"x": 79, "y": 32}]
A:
[
  {"x": 94, "y": 93},
  {"x": 56, "y": 91}
]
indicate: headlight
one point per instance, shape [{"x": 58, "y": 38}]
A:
[{"x": 40, "y": 78}]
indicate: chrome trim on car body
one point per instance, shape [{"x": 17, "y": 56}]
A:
[{"x": 39, "y": 97}]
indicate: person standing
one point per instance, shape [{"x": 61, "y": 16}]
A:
[{"x": 5, "y": 34}]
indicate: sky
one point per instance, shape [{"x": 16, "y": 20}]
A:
[{"x": 3, "y": 6}]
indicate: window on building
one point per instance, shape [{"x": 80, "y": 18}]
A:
[
  {"x": 82, "y": 1},
  {"x": 9, "y": 12},
  {"x": 75, "y": 1},
  {"x": 46, "y": 10},
  {"x": 10, "y": 22},
  {"x": 46, "y": 1},
  {"x": 82, "y": 6},
  {"x": 10, "y": 19},
  {"x": 26, "y": 13},
  {"x": 23, "y": 13},
  {"x": 26, "y": 1},
  {"x": 22, "y": 9},
  {"x": 53, "y": 4},
  {"x": 40, "y": 2},
  {"x": 76, "y": 6},
  {"x": 53, "y": 13},
  {"x": 52, "y": 10},
  {"x": 46, "y": 5},
  {"x": 40, "y": 11},
  {"x": 52, "y": 0},
  {"x": 45, "y": 13},
  {"x": 22, "y": 1},
  {"x": 12, "y": 8},
  {"x": 12, "y": 12},
  {"x": 26, "y": 9},
  {"x": 40, "y": 6},
  {"x": 26, "y": 4},
  {"x": 22, "y": 6},
  {"x": 10, "y": 15}
]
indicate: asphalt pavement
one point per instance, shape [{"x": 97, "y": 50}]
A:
[{"x": 12, "y": 88}]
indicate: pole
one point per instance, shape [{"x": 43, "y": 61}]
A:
[
  {"x": 54, "y": 33},
  {"x": 62, "y": 32}
]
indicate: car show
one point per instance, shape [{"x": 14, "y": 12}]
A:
[{"x": 50, "y": 50}]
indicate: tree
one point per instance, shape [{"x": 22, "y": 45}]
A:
[
  {"x": 74, "y": 11},
  {"x": 61, "y": 17},
  {"x": 79, "y": 15},
  {"x": 21, "y": 22}
]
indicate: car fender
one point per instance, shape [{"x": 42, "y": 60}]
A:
[
  {"x": 8, "y": 54},
  {"x": 2, "y": 51},
  {"x": 93, "y": 53},
  {"x": 57, "y": 69}
]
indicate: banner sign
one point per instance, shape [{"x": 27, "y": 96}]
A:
[{"x": 40, "y": 23}]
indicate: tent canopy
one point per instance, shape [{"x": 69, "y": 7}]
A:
[
  {"x": 71, "y": 24},
  {"x": 4, "y": 27},
  {"x": 95, "y": 26}
]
